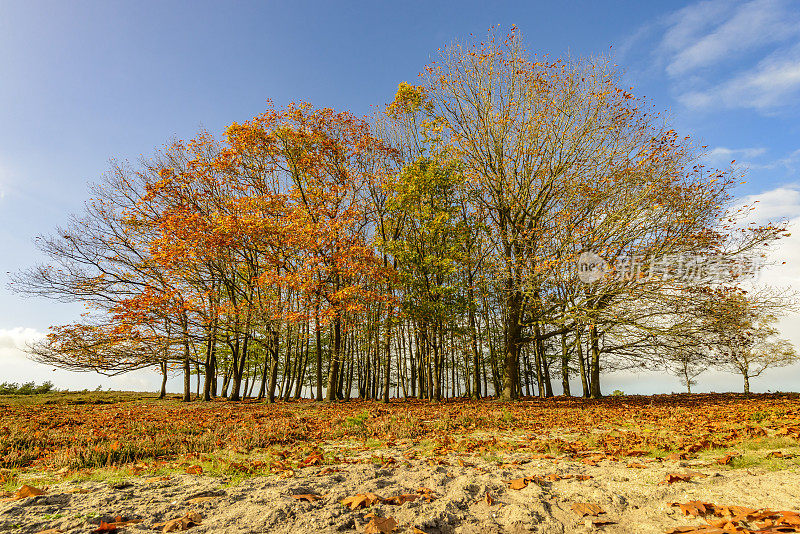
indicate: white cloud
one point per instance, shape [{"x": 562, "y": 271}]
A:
[
  {"x": 17, "y": 367},
  {"x": 707, "y": 33},
  {"x": 725, "y": 53},
  {"x": 773, "y": 83},
  {"x": 722, "y": 156},
  {"x": 779, "y": 203},
  {"x": 783, "y": 264},
  {"x": 14, "y": 341}
]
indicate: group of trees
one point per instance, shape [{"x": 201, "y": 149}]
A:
[{"x": 429, "y": 250}]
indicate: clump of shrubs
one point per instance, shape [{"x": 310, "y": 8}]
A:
[{"x": 28, "y": 388}]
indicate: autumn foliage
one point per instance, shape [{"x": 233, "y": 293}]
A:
[{"x": 426, "y": 251}]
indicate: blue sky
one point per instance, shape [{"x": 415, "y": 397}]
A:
[{"x": 84, "y": 82}]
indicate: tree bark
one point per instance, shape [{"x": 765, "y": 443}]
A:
[
  {"x": 512, "y": 344},
  {"x": 582, "y": 364},
  {"x": 388, "y": 348},
  {"x": 564, "y": 366},
  {"x": 164, "y": 368},
  {"x": 333, "y": 374},
  {"x": 319, "y": 356},
  {"x": 476, "y": 362},
  {"x": 187, "y": 369},
  {"x": 273, "y": 368},
  {"x": 595, "y": 363}
]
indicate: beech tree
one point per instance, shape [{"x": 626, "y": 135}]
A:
[{"x": 744, "y": 337}]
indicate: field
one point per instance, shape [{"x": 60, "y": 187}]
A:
[{"x": 130, "y": 462}]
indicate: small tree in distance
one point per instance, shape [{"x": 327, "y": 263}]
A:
[{"x": 744, "y": 338}]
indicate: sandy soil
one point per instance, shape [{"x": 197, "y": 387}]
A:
[{"x": 631, "y": 497}]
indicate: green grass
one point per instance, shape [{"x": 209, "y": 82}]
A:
[
  {"x": 83, "y": 397},
  {"x": 754, "y": 453}
]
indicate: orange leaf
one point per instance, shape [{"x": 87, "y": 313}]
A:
[
  {"x": 585, "y": 508},
  {"x": 28, "y": 491},
  {"x": 105, "y": 527},
  {"x": 194, "y": 470},
  {"x": 675, "y": 477},
  {"x": 310, "y": 497},
  {"x": 400, "y": 499},
  {"x": 381, "y": 525},
  {"x": 362, "y": 500}
]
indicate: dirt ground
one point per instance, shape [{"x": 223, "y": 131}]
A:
[{"x": 450, "y": 495}]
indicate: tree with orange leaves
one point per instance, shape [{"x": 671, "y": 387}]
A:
[{"x": 327, "y": 160}]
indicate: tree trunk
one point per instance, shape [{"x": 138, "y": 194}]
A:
[
  {"x": 476, "y": 362},
  {"x": 210, "y": 371},
  {"x": 240, "y": 355},
  {"x": 437, "y": 365},
  {"x": 273, "y": 368},
  {"x": 595, "y": 363},
  {"x": 214, "y": 374},
  {"x": 187, "y": 373},
  {"x": 512, "y": 344},
  {"x": 333, "y": 374},
  {"x": 319, "y": 356},
  {"x": 187, "y": 369},
  {"x": 301, "y": 374},
  {"x": 388, "y": 348},
  {"x": 262, "y": 389},
  {"x": 582, "y": 364},
  {"x": 164, "y": 368},
  {"x": 564, "y": 366},
  {"x": 548, "y": 384}
]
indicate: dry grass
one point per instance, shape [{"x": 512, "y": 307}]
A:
[{"x": 112, "y": 429}]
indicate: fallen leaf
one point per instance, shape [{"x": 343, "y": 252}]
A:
[
  {"x": 381, "y": 525},
  {"x": 400, "y": 499},
  {"x": 726, "y": 460},
  {"x": 585, "y": 508},
  {"x": 518, "y": 483},
  {"x": 28, "y": 491},
  {"x": 192, "y": 519},
  {"x": 675, "y": 477},
  {"x": 194, "y": 470},
  {"x": 489, "y": 499},
  {"x": 362, "y": 500},
  {"x": 105, "y": 527},
  {"x": 201, "y": 500},
  {"x": 309, "y": 497},
  {"x": 695, "y": 508},
  {"x": 427, "y": 494},
  {"x": 312, "y": 459},
  {"x": 328, "y": 470},
  {"x": 599, "y": 522}
]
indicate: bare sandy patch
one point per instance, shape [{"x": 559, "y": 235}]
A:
[{"x": 450, "y": 496}]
